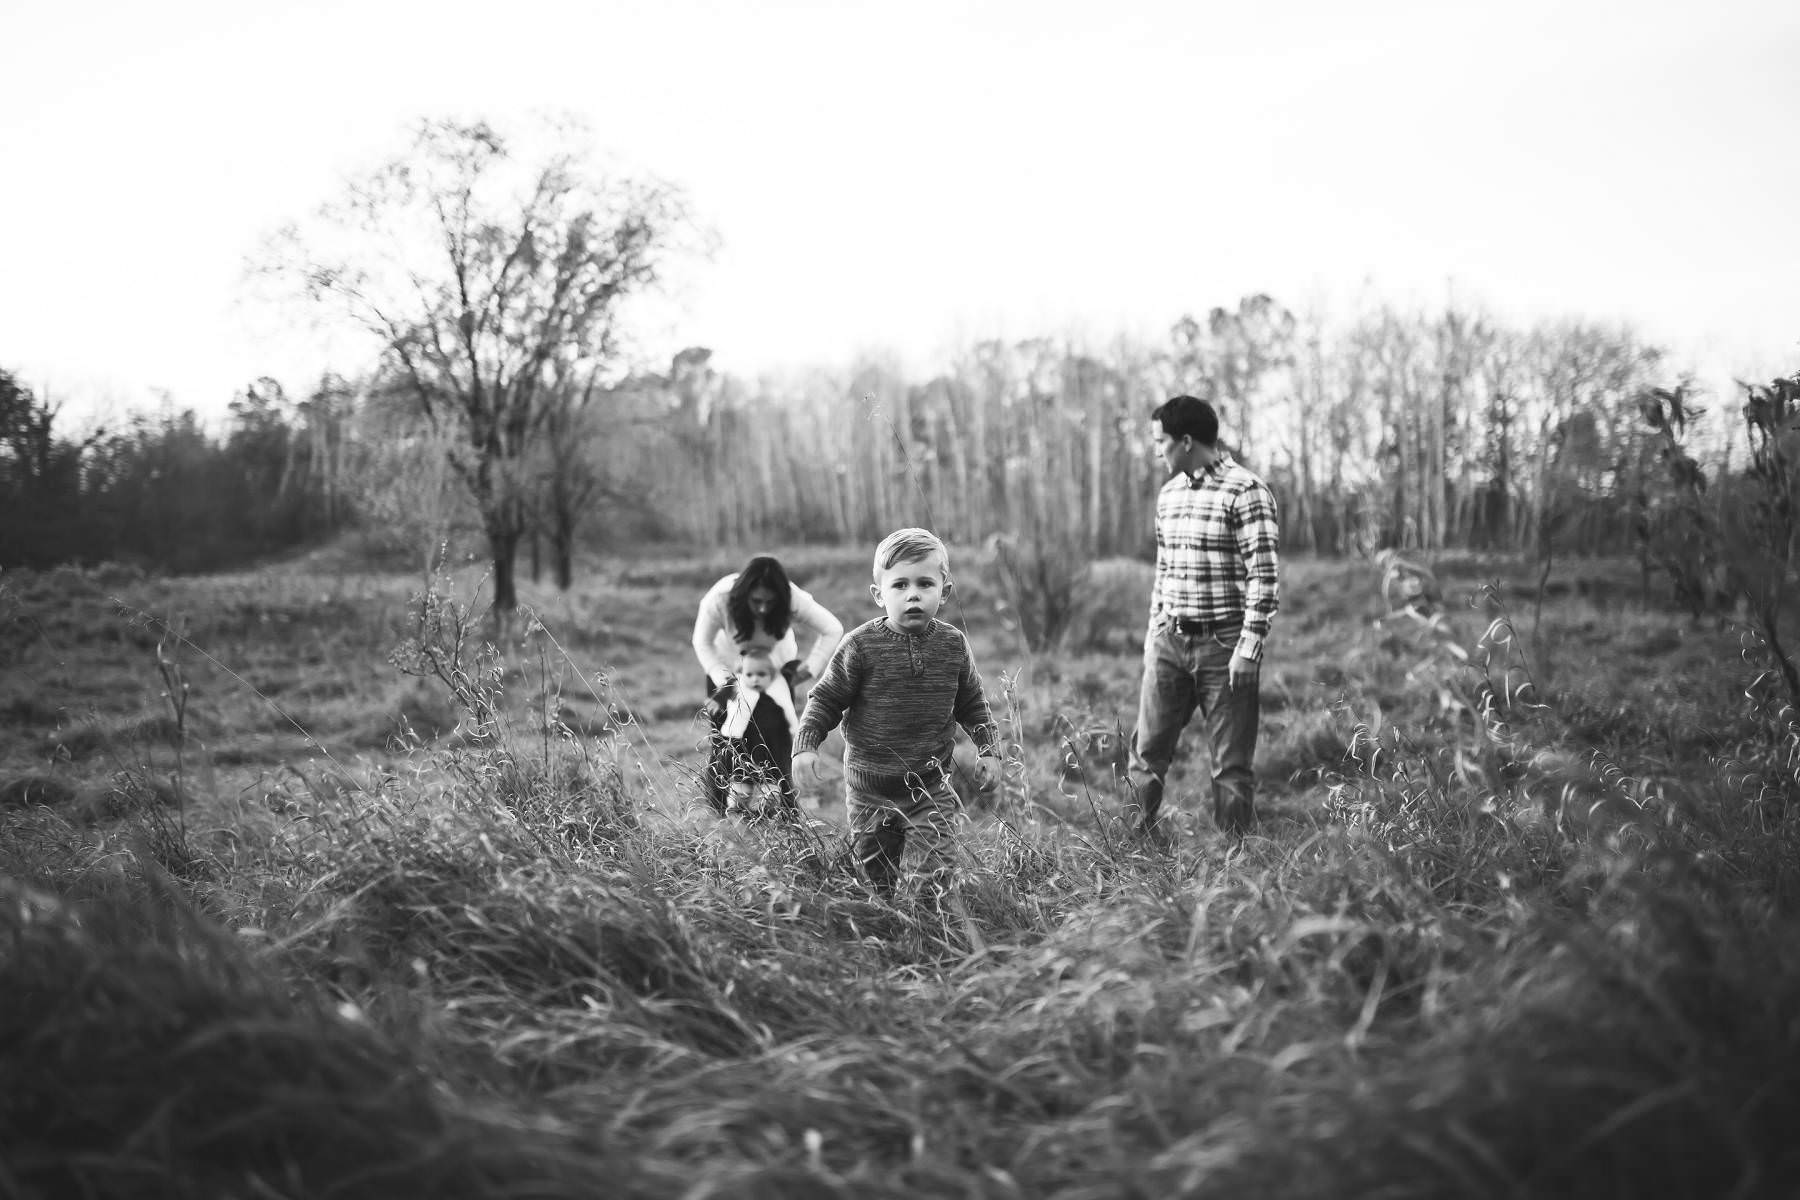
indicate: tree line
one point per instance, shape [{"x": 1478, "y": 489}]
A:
[
  {"x": 491, "y": 271},
  {"x": 1424, "y": 431},
  {"x": 1427, "y": 431},
  {"x": 1432, "y": 432},
  {"x": 161, "y": 491}
]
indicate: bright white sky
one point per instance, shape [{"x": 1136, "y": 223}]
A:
[{"x": 909, "y": 175}]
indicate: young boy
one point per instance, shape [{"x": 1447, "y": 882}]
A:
[
  {"x": 900, "y": 685},
  {"x": 752, "y": 751}
]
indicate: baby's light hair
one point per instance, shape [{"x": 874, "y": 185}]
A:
[
  {"x": 905, "y": 545},
  {"x": 756, "y": 654}
]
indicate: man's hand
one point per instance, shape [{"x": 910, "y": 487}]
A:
[
  {"x": 988, "y": 770},
  {"x": 1243, "y": 671},
  {"x": 806, "y": 765}
]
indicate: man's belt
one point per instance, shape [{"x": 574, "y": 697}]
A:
[{"x": 1196, "y": 627}]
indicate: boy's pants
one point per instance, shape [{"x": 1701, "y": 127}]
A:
[
  {"x": 1182, "y": 672},
  {"x": 880, "y": 825}
]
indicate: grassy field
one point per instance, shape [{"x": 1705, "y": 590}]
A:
[{"x": 307, "y": 893}]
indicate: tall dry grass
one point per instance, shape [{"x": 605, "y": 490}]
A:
[{"x": 1476, "y": 953}]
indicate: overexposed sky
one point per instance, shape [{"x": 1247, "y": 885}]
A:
[{"x": 909, "y": 175}]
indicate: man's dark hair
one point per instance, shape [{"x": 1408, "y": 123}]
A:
[
  {"x": 1188, "y": 416},
  {"x": 760, "y": 572}
]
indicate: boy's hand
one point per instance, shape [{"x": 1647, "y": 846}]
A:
[
  {"x": 806, "y": 765},
  {"x": 988, "y": 770}
]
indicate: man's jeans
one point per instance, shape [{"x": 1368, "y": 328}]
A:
[{"x": 1182, "y": 672}]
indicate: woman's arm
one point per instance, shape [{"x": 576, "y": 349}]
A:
[
  {"x": 707, "y": 626},
  {"x": 826, "y": 629}
]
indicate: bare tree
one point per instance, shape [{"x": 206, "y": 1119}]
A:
[
  {"x": 605, "y": 450},
  {"x": 487, "y": 272},
  {"x": 1501, "y": 373},
  {"x": 1249, "y": 343},
  {"x": 569, "y": 481},
  {"x": 1762, "y": 526},
  {"x": 26, "y": 423},
  {"x": 399, "y": 467}
]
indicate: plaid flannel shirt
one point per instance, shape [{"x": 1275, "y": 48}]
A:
[{"x": 1217, "y": 552}]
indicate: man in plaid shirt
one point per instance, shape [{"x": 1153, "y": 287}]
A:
[{"x": 1216, "y": 591}]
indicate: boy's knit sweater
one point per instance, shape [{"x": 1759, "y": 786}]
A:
[{"x": 900, "y": 697}]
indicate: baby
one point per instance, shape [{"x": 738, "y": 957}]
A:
[
  {"x": 751, "y": 763},
  {"x": 751, "y": 688}
]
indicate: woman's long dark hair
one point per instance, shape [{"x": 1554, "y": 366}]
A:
[{"x": 761, "y": 572}]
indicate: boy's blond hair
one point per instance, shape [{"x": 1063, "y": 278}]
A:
[{"x": 905, "y": 545}]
